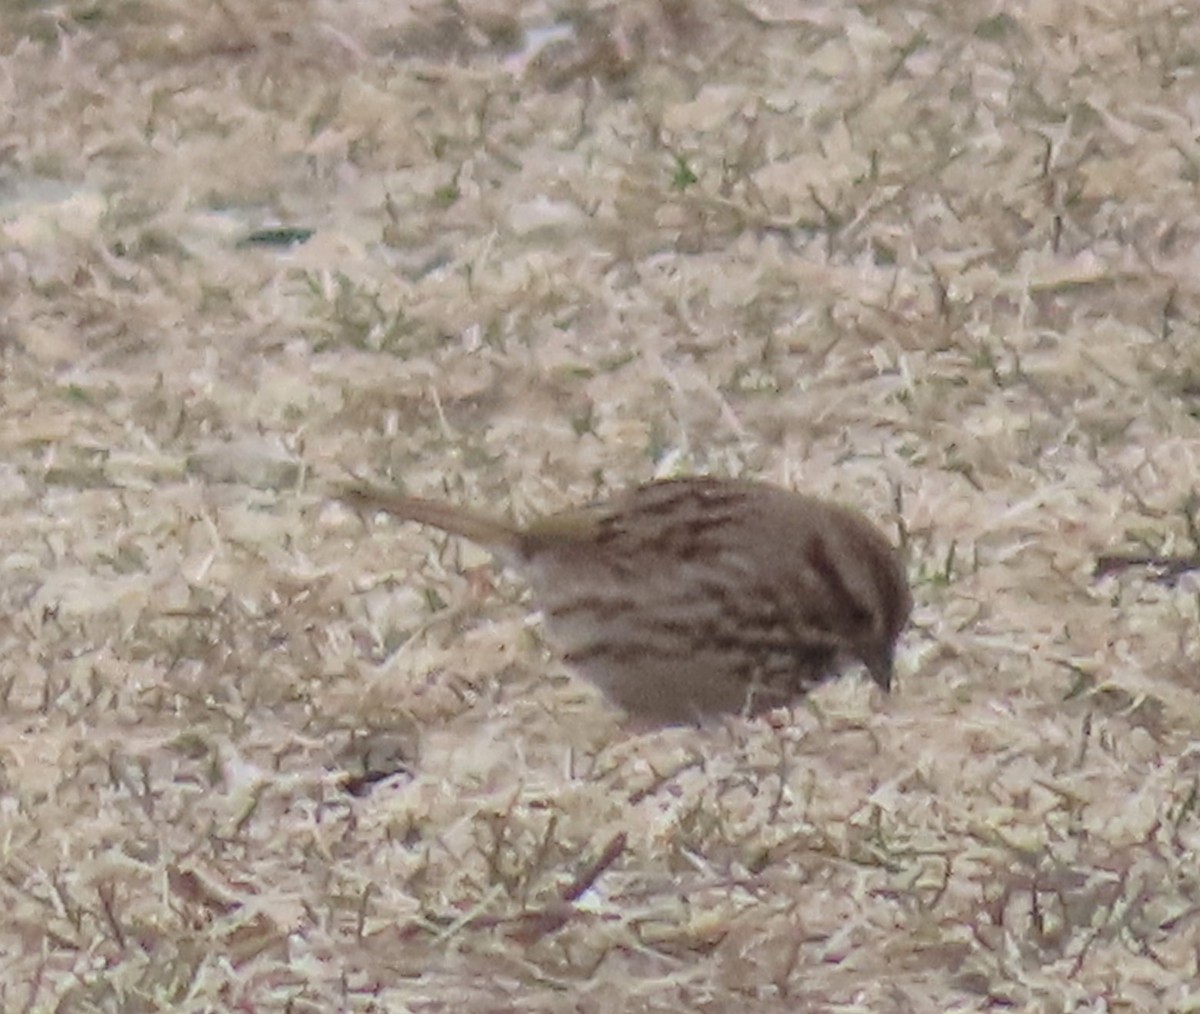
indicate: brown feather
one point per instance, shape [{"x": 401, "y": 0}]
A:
[{"x": 698, "y": 596}]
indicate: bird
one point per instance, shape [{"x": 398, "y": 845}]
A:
[{"x": 688, "y": 598}]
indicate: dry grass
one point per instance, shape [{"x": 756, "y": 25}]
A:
[{"x": 937, "y": 259}]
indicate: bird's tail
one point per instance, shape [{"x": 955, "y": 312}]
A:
[{"x": 491, "y": 533}]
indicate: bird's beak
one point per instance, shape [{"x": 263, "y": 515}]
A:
[{"x": 880, "y": 667}]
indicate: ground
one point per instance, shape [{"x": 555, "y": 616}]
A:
[{"x": 937, "y": 260}]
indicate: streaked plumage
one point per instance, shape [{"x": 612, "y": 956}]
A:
[{"x": 693, "y": 597}]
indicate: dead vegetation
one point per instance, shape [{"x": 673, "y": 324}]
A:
[{"x": 938, "y": 260}]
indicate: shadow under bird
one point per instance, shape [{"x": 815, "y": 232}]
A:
[{"x": 696, "y": 597}]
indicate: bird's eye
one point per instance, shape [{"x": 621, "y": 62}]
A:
[{"x": 860, "y": 615}]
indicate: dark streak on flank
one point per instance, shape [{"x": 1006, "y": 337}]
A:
[
  {"x": 603, "y": 607},
  {"x": 618, "y": 652},
  {"x": 773, "y": 649}
]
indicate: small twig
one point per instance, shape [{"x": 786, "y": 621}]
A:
[
  {"x": 590, "y": 874},
  {"x": 535, "y": 923},
  {"x": 1166, "y": 567}
]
